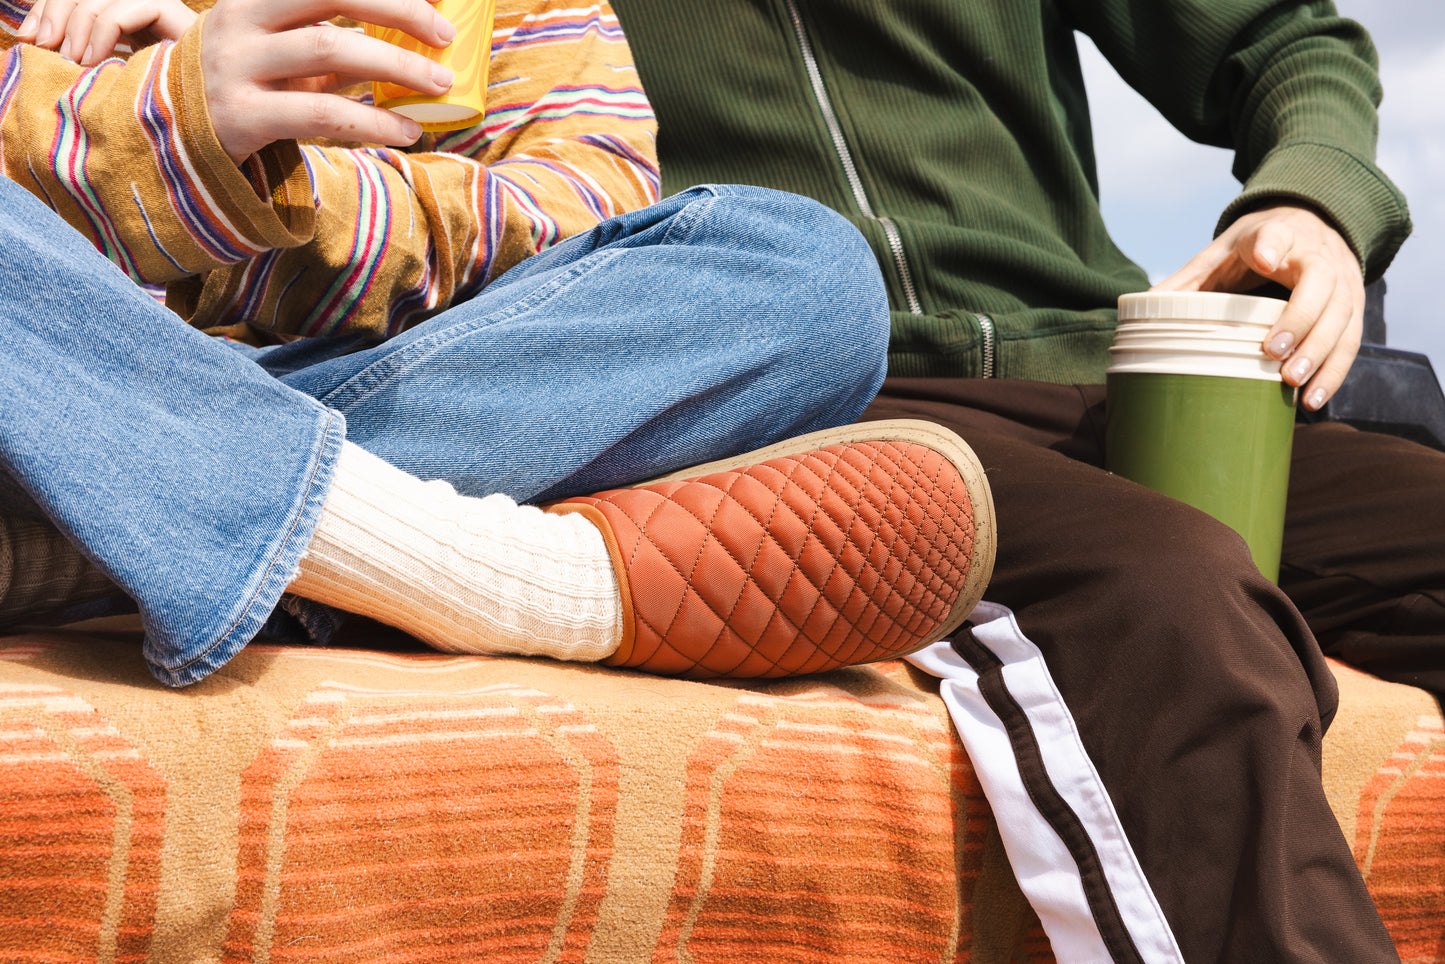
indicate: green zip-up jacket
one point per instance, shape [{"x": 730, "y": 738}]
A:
[{"x": 956, "y": 135}]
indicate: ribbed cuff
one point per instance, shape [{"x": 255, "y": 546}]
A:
[{"x": 1355, "y": 195}]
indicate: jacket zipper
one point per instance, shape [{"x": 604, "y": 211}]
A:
[
  {"x": 845, "y": 157},
  {"x": 986, "y": 341}
]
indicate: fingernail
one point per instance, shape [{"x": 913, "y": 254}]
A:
[
  {"x": 1268, "y": 257},
  {"x": 44, "y": 34},
  {"x": 85, "y": 57},
  {"x": 26, "y": 25},
  {"x": 1300, "y": 369},
  {"x": 441, "y": 76},
  {"x": 444, "y": 28},
  {"x": 1281, "y": 345},
  {"x": 410, "y": 128},
  {"x": 1315, "y": 400},
  {"x": 65, "y": 49}
]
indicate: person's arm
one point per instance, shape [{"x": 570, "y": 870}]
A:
[
  {"x": 123, "y": 153},
  {"x": 1293, "y": 89},
  {"x": 567, "y": 140},
  {"x": 126, "y": 152},
  {"x": 356, "y": 239}
]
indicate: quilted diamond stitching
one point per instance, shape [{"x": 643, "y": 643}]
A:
[
  {"x": 826, "y": 485},
  {"x": 875, "y": 473},
  {"x": 914, "y": 496},
  {"x": 870, "y": 488}
]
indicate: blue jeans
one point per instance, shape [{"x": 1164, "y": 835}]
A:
[{"x": 192, "y": 471}]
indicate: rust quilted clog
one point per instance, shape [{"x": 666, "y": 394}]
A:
[{"x": 835, "y": 548}]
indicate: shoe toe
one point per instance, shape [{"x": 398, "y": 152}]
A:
[{"x": 801, "y": 562}]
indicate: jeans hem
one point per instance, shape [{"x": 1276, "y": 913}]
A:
[{"x": 276, "y": 576}]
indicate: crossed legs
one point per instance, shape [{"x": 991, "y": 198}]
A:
[{"x": 205, "y": 481}]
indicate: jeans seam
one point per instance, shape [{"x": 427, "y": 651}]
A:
[
  {"x": 356, "y": 388},
  {"x": 333, "y": 419},
  {"x": 681, "y": 224}
]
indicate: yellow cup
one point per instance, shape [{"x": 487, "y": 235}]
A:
[{"x": 468, "y": 57}]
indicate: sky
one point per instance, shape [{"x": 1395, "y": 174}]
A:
[{"x": 1162, "y": 193}]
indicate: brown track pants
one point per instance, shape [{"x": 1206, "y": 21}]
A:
[{"x": 1199, "y": 688}]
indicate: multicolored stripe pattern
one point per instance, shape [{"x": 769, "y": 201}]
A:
[
  {"x": 111, "y": 149},
  {"x": 187, "y": 193},
  {"x": 70, "y": 155},
  {"x": 349, "y": 240},
  {"x": 9, "y": 83},
  {"x": 551, "y": 158},
  {"x": 561, "y": 25},
  {"x": 369, "y": 242},
  {"x": 350, "y": 805},
  {"x": 12, "y": 12}
]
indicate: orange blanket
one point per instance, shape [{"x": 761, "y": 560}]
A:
[{"x": 354, "y": 805}]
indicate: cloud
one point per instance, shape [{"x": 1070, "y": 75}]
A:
[
  {"x": 1412, "y": 121},
  {"x": 1398, "y": 26},
  {"x": 1141, "y": 156}
]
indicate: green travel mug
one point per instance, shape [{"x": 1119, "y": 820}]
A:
[{"x": 1197, "y": 411}]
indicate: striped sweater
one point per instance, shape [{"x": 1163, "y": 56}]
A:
[{"x": 320, "y": 239}]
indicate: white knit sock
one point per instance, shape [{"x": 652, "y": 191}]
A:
[
  {"x": 463, "y": 574},
  {"x": 41, "y": 572}
]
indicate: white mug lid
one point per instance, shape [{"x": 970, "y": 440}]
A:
[
  {"x": 1195, "y": 333},
  {"x": 1214, "y": 306},
  {"x": 1217, "y": 361}
]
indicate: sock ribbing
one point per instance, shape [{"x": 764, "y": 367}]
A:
[{"x": 462, "y": 574}]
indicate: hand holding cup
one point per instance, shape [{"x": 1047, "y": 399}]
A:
[
  {"x": 1319, "y": 333},
  {"x": 272, "y": 69}
]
